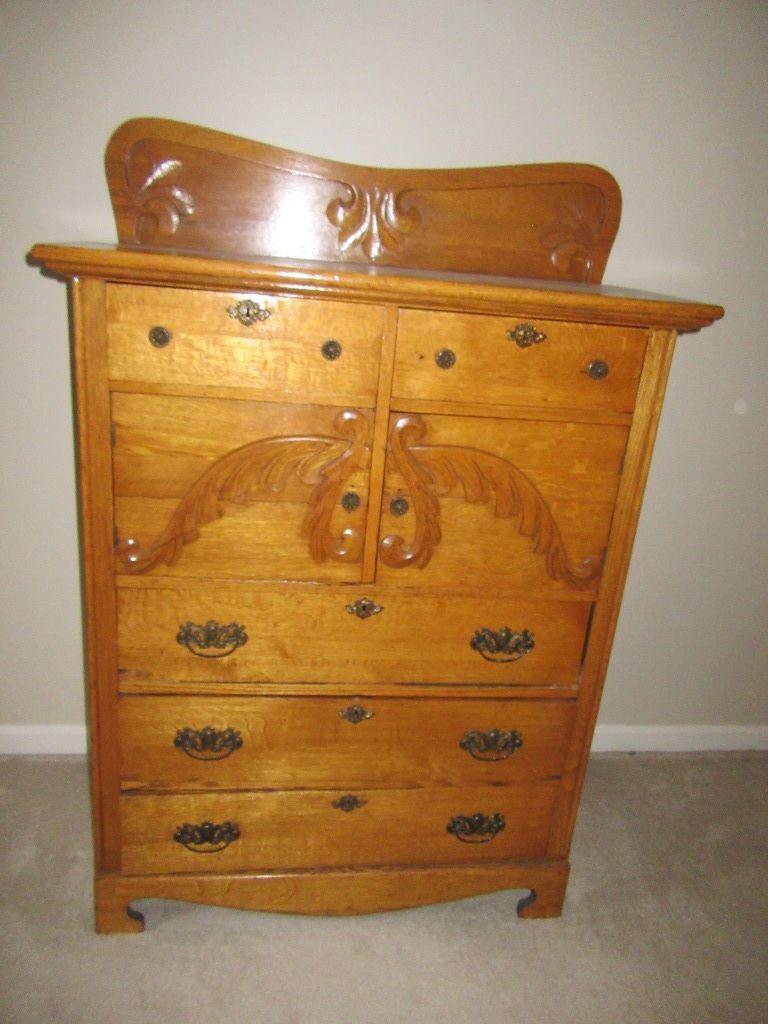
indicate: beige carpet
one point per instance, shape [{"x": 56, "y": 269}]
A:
[{"x": 666, "y": 920}]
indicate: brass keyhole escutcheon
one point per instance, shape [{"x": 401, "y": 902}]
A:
[{"x": 159, "y": 336}]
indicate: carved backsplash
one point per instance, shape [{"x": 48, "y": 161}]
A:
[{"x": 180, "y": 186}]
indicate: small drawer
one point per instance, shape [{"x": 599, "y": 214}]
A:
[
  {"x": 169, "y": 743},
  {"x": 300, "y": 633},
  {"x": 226, "y": 832},
  {"x": 276, "y": 347},
  {"x": 456, "y": 357}
]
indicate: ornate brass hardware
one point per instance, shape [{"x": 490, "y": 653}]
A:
[
  {"x": 598, "y": 369},
  {"x": 398, "y": 506},
  {"x": 248, "y": 312},
  {"x": 493, "y": 645},
  {"x": 494, "y": 745},
  {"x": 350, "y": 501},
  {"x": 525, "y": 335},
  {"x": 445, "y": 358},
  {"x": 159, "y": 336},
  {"x": 476, "y": 828},
  {"x": 364, "y": 608},
  {"x": 331, "y": 349},
  {"x": 206, "y": 837},
  {"x": 208, "y": 744},
  {"x": 349, "y": 802},
  {"x": 356, "y": 713},
  {"x": 219, "y": 640}
]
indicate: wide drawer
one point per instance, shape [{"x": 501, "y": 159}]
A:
[
  {"x": 464, "y": 357},
  {"x": 297, "y": 742},
  {"x": 226, "y": 832},
  {"x": 304, "y": 348},
  {"x": 305, "y": 633}
]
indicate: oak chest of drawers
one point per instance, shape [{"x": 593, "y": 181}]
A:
[{"x": 355, "y": 530}]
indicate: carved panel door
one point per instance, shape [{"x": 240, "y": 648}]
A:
[
  {"x": 518, "y": 505},
  {"x": 222, "y": 488}
]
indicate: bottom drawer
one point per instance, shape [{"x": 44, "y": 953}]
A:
[{"x": 303, "y": 829}]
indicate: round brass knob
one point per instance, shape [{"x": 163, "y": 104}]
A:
[
  {"x": 350, "y": 501},
  {"x": 159, "y": 336},
  {"x": 445, "y": 358},
  {"x": 598, "y": 369},
  {"x": 331, "y": 349},
  {"x": 398, "y": 506}
]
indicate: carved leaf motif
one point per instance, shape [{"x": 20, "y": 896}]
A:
[
  {"x": 161, "y": 204},
  {"x": 394, "y": 551},
  {"x": 485, "y": 478},
  {"x": 375, "y": 219},
  {"x": 247, "y": 474},
  {"x": 571, "y": 239}
]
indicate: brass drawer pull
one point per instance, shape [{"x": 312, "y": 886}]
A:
[
  {"x": 248, "y": 312},
  {"x": 219, "y": 641},
  {"x": 494, "y": 745},
  {"x": 208, "y": 744},
  {"x": 349, "y": 802},
  {"x": 331, "y": 349},
  {"x": 598, "y": 369},
  {"x": 494, "y": 645},
  {"x": 356, "y": 713},
  {"x": 206, "y": 837},
  {"x": 364, "y": 608},
  {"x": 525, "y": 335},
  {"x": 476, "y": 828},
  {"x": 445, "y": 358},
  {"x": 159, "y": 336}
]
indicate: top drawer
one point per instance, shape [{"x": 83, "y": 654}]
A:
[
  {"x": 278, "y": 347},
  {"x": 463, "y": 357}
]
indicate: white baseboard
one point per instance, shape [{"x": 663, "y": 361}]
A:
[
  {"x": 42, "y": 739},
  {"x": 679, "y": 738},
  {"x": 70, "y": 739}
]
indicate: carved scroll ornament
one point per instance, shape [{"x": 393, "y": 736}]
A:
[
  {"x": 248, "y": 473},
  {"x": 374, "y": 218},
  {"x": 485, "y": 478}
]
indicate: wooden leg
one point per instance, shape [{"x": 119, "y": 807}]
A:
[
  {"x": 113, "y": 911},
  {"x": 546, "y": 897}
]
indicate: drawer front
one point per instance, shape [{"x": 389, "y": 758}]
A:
[
  {"x": 212, "y": 487},
  {"x": 304, "y": 348},
  {"x": 456, "y": 357},
  {"x": 346, "y": 634},
  {"x": 303, "y": 829},
  {"x": 292, "y": 742}
]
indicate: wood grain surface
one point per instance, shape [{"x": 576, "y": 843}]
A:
[{"x": 289, "y": 743}]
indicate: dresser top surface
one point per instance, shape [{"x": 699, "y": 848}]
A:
[{"x": 367, "y": 283}]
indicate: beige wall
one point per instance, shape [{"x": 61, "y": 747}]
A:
[{"x": 671, "y": 97}]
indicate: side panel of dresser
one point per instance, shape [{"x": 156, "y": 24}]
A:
[
  {"x": 96, "y": 519},
  {"x": 642, "y": 434}
]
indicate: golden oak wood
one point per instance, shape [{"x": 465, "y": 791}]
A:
[
  {"x": 485, "y": 359},
  {"x": 279, "y": 357},
  {"x": 524, "y": 504},
  {"x": 308, "y": 634},
  {"x": 315, "y": 829},
  {"x": 334, "y": 892},
  {"x": 320, "y": 743},
  {"x": 197, "y": 189},
  {"x": 207, "y": 487},
  {"x": 291, "y": 509}
]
